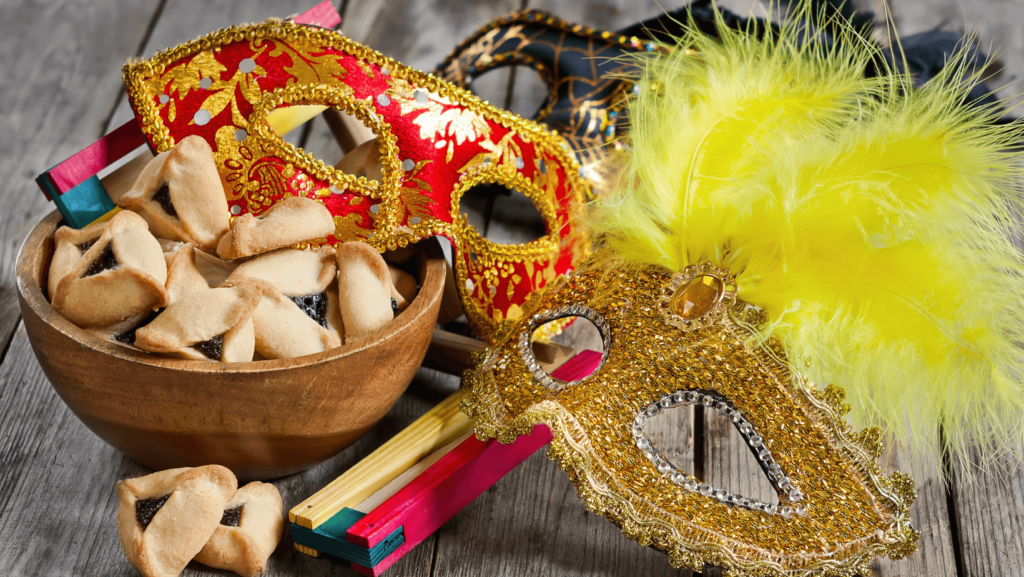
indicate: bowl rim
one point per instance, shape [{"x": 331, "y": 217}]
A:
[{"x": 30, "y": 270}]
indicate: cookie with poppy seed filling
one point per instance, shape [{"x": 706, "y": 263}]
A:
[
  {"x": 364, "y": 289},
  {"x": 212, "y": 325},
  {"x": 166, "y": 518},
  {"x": 301, "y": 317},
  {"x": 183, "y": 277},
  {"x": 249, "y": 531},
  {"x": 69, "y": 244},
  {"x": 180, "y": 195},
  {"x": 403, "y": 288},
  {"x": 120, "y": 276}
]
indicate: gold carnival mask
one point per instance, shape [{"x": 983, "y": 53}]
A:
[
  {"x": 436, "y": 142},
  {"x": 672, "y": 340}
]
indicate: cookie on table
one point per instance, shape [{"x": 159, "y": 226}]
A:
[
  {"x": 69, "y": 244},
  {"x": 180, "y": 195},
  {"x": 364, "y": 289},
  {"x": 299, "y": 316},
  {"x": 210, "y": 325},
  {"x": 249, "y": 531},
  {"x": 121, "y": 276},
  {"x": 291, "y": 221},
  {"x": 165, "y": 519}
]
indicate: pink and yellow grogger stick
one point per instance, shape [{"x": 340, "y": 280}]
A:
[{"x": 392, "y": 500}]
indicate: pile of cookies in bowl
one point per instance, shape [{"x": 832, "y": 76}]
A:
[
  {"x": 173, "y": 274},
  {"x": 183, "y": 336}
]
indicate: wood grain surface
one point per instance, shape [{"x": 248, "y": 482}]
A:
[{"x": 62, "y": 90}]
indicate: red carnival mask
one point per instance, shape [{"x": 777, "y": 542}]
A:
[{"x": 436, "y": 142}]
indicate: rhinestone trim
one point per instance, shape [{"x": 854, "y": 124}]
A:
[
  {"x": 755, "y": 442},
  {"x": 544, "y": 317}
]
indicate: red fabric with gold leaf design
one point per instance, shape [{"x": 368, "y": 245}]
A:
[{"x": 437, "y": 141}]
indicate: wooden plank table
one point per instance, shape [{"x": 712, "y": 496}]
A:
[{"x": 62, "y": 90}]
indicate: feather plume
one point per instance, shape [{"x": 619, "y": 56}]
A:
[{"x": 874, "y": 222}]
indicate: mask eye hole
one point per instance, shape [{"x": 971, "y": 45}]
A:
[
  {"x": 340, "y": 140},
  {"x": 792, "y": 497},
  {"x": 502, "y": 215},
  {"x": 584, "y": 320},
  {"x": 520, "y": 88}
]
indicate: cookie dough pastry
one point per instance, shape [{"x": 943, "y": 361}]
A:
[
  {"x": 214, "y": 269},
  {"x": 123, "y": 333},
  {"x": 69, "y": 245},
  {"x": 291, "y": 221},
  {"x": 364, "y": 289},
  {"x": 299, "y": 317},
  {"x": 165, "y": 519},
  {"x": 180, "y": 195},
  {"x": 210, "y": 325},
  {"x": 121, "y": 276},
  {"x": 183, "y": 278},
  {"x": 363, "y": 160},
  {"x": 249, "y": 531},
  {"x": 403, "y": 287}
]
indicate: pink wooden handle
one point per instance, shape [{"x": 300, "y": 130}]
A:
[
  {"x": 422, "y": 506},
  {"x": 323, "y": 15}
]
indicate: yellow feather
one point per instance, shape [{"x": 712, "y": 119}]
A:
[{"x": 872, "y": 221}]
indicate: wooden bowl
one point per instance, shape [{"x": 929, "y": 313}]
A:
[{"x": 261, "y": 419}]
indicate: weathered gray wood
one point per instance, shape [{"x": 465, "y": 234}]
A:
[
  {"x": 728, "y": 462},
  {"x": 62, "y": 71},
  {"x": 57, "y": 502},
  {"x": 533, "y": 523},
  {"x": 990, "y": 522},
  {"x": 929, "y": 515}
]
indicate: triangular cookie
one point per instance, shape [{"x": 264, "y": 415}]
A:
[
  {"x": 300, "y": 317},
  {"x": 249, "y": 531},
  {"x": 403, "y": 288},
  {"x": 121, "y": 276},
  {"x": 180, "y": 195},
  {"x": 291, "y": 221},
  {"x": 183, "y": 278},
  {"x": 69, "y": 244},
  {"x": 164, "y": 519},
  {"x": 211, "y": 325}
]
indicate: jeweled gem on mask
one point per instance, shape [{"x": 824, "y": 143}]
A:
[{"x": 698, "y": 296}]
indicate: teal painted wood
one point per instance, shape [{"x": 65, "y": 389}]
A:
[
  {"x": 330, "y": 538},
  {"x": 84, "y": 203}
]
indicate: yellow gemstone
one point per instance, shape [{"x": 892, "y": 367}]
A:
[{"x": 697, "y": 297}]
